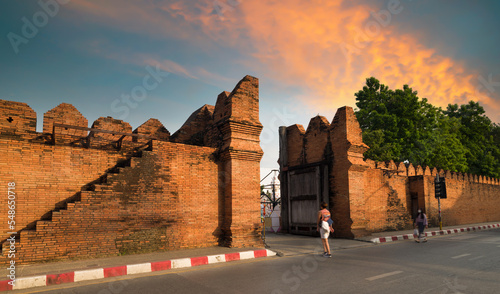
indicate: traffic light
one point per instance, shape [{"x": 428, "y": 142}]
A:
[
  {"x": 439, "y": 187},
  {"x": 442, "y": 183}
]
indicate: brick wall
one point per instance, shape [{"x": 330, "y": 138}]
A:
[
  {"x": 165, "y": 199},
  {"x": 66, "y": 114},
  {"x": 470, "y": 199},
  {"x": 367, "y": 196},
  {"x": 295, "y": 136},
  {"x": 101, "y": 199},
  {"x": 193, "y": 130},
  {"x": 46, "y": 175},
  {"x": 17, "y": 120},
  {"x": 387, "y": 198},
  {"x": 104, "y": 140},
  {"x": 316, "y": 139},
  {"x": 152, "y": 128}
]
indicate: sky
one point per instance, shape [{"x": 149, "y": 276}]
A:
[{"x": 310, "y": 56}]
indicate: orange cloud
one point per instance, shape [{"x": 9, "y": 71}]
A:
[
  {"x": 331, "y": 48},
  {"x": 328, "y": 48}
]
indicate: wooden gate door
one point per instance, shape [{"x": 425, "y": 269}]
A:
[{"x": 307, "y": 188}]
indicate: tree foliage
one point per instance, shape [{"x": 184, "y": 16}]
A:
[
  {"x": 399, "y": 126},
  {"x": 480, "y": 136}
]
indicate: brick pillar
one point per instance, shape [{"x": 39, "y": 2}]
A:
[
  {"x": 347, "y": 175},
  {"x": 236, "y": 116}
]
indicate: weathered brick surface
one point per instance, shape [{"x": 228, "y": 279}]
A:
[
  {"x": 166, "y": 199},
  {"x": 105, "y": 140},
  {"x": 316, "y": 139},
  {"x": 66, "y": 114},
  {"x": 194, "y": 129},
  {"x": 386, "y": 200},
  {"x": 240, "y": 153},
  {"x": 75, "y": 202},
  {"x": 348, "y": 174},
  {"x": 46, "y": 175},
  {"x": 243, "y": 102},
  {"x": 368, "y": 196},
  {"x": 468, "y": 201},
  {"x": 17, "y": 120},
  {"x": 153, "y": 128},
  {"x": 295, "y": 146}
]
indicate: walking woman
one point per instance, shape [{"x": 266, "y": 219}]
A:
[
  {"x": 421, "y": 223},
  {"x": 324, "y": 228}
]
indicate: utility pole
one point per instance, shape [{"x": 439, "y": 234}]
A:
[
  {"x": 271, "y": 199},
  {"x": 274, "y": 190}
]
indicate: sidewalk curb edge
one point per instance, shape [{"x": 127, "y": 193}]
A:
[
  {"x": 101, "y": 273},
  {"x": 433, "y": 233}
]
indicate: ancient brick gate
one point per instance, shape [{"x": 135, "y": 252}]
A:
[
  {"x": 85, "y": 192},
  {"x": 326, "y": 162}
]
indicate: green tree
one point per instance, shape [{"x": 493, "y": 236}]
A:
[
  {"x": 480, "y": 137},
  {"x": 398, "y": 125},
  {"x": 441, "y": 147}
]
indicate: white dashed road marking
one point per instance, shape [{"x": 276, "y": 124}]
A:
[
  {"x": 383, "y": 275},
  {"x": 460, "y": 256}
]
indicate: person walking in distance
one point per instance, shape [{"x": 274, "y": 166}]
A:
[
  {"x": 325, "y": 227},
  {"x": 420, "y": 224}
]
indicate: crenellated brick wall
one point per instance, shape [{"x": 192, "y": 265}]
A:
[
  {"x": 152, "y": 128},
  {"x": 367, "y": 196},
  {"x": 101, "y": 198},
  {"x": 18, "y": 120},
  {"x": 65, "y": 113}
]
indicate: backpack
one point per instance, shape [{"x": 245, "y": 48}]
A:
[{"x": 329, "y": 221}]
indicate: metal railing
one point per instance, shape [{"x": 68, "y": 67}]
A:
[{"x": 85, "y": 141}]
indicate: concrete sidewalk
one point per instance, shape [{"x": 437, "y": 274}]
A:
[
  {"x": 292, "y": 245},
  {"x": 289, "y": 245},
  {"x": 384, "y": 237},
  {"x": 54, "y": 273}
]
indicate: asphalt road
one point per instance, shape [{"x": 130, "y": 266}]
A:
[{"x": 463, "y": 263}]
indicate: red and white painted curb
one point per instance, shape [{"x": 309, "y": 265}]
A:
[
  {"x": 433, "y": 233},
  {"x": 101, "y": 273}
]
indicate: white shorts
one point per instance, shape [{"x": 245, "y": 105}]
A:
[{"x": 324, "y": 233}]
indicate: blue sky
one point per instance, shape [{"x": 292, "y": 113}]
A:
[{"x": 310, "y": 56}]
